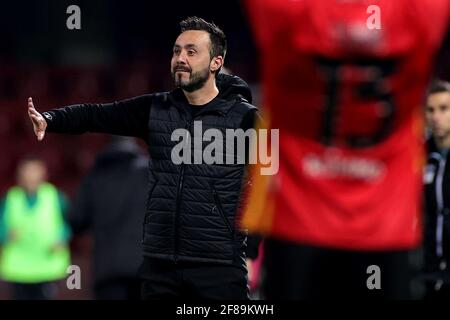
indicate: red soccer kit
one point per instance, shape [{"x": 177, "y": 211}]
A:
[{"x": 343, "y": 81}]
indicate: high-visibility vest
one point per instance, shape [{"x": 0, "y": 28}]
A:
[{"x": 28, "y": 256}]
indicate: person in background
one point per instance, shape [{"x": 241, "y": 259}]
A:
[
  {"x": 437, "y": 193},
  {"x": 109, "y": 204},
  {"x": 34, "y": 236}
]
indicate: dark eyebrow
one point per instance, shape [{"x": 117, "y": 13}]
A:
[{"x": 187, "y": 46}]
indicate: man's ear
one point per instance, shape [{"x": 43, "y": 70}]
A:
[{"x": 216, "y": 63}]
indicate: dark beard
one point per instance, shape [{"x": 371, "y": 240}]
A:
[{"x": 196, "y": 80}]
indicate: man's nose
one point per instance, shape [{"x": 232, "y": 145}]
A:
[
  {"x": 436, "y": 117},
  {"x": 181, "y": 58},
  {"x": 435, "y": 122}
]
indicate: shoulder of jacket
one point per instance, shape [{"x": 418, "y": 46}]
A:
[
  {"x": 243, "y": 106},
  {"x": 160, "y": 97}
]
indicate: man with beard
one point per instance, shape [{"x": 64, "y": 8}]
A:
[
  {"x": 191, "y": 245},
  {"x": 436, "y": 272}
]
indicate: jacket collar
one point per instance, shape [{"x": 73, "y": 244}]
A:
[
  {"x": 433, "y": 152},
  {"x": 220, "y": 105}
]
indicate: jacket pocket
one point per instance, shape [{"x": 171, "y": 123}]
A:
[
  {"x": 149, "y": 198},
  {"x": 219, "y": 209}
]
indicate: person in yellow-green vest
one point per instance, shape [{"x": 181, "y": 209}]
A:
[{"x": 34, "y": 235}]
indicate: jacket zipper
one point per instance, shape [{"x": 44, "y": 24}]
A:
[
  {"x": 177, "y": 211},
  {"x": 180, "y": 189}
]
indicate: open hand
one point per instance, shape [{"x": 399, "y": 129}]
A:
[{"x": 39, "y": 123}]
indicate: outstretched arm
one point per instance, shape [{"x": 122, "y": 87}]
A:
[{"x": 126, "y": 117}]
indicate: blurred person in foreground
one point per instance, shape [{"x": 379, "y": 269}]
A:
[
  {"x": 193, "y": 245},
  {"x": 437, "y": 193},
  {"x": 343, "y": 82},
  {"x": 33, "y": 234},
  {"x": 109, "y": 205}
]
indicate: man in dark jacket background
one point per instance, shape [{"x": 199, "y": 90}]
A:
[
  {"x": 437, "y": 193},
  {"x": 192, "y": 246},
  {"x": 108, "y": 204}
]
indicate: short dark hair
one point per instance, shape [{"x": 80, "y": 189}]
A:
[
  {"x": 216, "y": 35},
  {"x": 439, "y": 86}
]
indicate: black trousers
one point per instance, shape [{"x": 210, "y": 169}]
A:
[
  {"x": 192, "y": 281},
  {"x": 118, "y": 289},
  {"x": 294, "y": 271}
]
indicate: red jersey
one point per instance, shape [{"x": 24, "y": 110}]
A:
[{"x": 343, "y": 81}]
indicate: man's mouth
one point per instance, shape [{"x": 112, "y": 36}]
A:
[{"x": 182, "y": 70}]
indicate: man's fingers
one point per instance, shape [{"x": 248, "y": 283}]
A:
[
  {"x": 33, "y": 111},
  {"x": 32, "y": 108},
  {"x": 30, "y": 103},
  {"x": 35, "y": 118}
]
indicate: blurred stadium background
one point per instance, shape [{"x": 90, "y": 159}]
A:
[{"x": 123, "y": 50}]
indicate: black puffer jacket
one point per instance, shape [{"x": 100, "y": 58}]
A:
[
  {"x": 191, "y": 208},
  {"x": 191, "y": 212}
]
